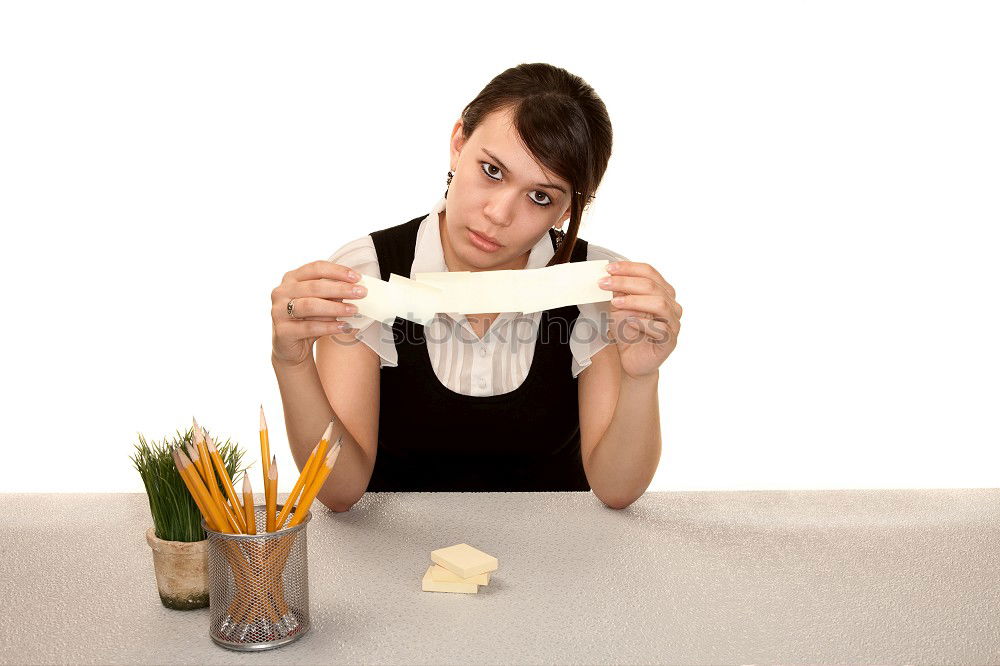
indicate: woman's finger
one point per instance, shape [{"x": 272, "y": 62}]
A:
[
  {"x": 310, "y": 307},
  {"x": 331, "y": 289},
  {"x": 640, "y": 269},
  {"x": 294, "y": 329},
  {"x": 315, "y": 270},
  {"x": 656, "y": 305},
  {"x": 625, "y": 312},
  {"x": 659, "y": 329},
  {"x": 629, "y": 284}
]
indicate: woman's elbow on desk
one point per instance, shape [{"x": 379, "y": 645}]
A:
[
  {"x": 337, "y": 506},
  {"x": 616, "y": 503},
  {"x": 335, "y": 503}
]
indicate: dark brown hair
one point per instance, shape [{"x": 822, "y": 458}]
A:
[{"x": 563, "y": 124}]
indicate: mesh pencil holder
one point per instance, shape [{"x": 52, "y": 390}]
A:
[{"x": 258, "y": 585}]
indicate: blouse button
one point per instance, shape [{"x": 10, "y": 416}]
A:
[{"x": 482, "y": 351}]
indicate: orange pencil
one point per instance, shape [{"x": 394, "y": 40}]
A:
[
  {"x": 216, "y": 496},
  {"x": 204, "y": 445},
  {"x": 213, "y": 484},
  {"x": 194, "y": 455},
  {"x": 302, "y": 510},
  {"x": 322, "y": 472},
  {"x": 272, "y": 493},
  {"x": 248, "y": 508},
  {"x": 265, "y": 447},
  {"x": 227, "y": 484},
  {"x": 202, "y": 507},
  {"x": 188, "y": 469},
  {"x": 307, "y": 473},
  {"x": 199, "y": 443},
  {"x": 324, "y": 445},
  {"x": 195, "y": 458}
]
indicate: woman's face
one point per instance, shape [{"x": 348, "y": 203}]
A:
[{"x": 499, "y": 191}]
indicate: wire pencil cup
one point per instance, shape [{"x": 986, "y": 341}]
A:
[{"x": 258, "y": 585}]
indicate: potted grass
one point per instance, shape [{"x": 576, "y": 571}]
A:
[{"x": 178, "y": 541}]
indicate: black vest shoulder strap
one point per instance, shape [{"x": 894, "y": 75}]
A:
[{"x": 395, "y": 247}]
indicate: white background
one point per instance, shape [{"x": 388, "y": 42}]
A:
[{"x": 819, "y": 182}]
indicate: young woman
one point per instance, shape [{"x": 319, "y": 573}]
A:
[{"x": 563, "y": 399}]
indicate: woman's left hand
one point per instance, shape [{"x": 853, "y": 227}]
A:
[{"x": 645, "y": 317}]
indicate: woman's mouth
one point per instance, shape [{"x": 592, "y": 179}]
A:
[{"x": 482, "y": 243}]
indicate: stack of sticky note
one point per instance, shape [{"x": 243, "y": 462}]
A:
[{"x": 459, "y": 568}]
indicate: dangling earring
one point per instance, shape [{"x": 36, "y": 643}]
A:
[
  {"x": 560, "y": 235},
  {"x": 448, "y": 183}
]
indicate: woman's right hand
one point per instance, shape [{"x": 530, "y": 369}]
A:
[{"x": 317, "y": 290}]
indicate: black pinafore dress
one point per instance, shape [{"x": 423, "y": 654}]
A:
[{"x": 431, "y": 438}]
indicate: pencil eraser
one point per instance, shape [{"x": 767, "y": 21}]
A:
[
  {"x": 428, "y": 584},
  {"x": 441, "y": 574},
  {"x": 464, "y": 561}
]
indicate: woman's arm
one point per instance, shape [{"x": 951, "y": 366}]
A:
[
  {"x": 619, "y": 407},
  {"x": 341, "y": 384},
  {"x": 619, "y": 429}
]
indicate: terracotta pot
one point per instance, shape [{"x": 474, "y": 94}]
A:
[{"x": 181, "y": 571}]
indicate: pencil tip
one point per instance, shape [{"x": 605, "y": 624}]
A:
[
  {"x": 331, "y": 457},
  {"x": 263, "y": 423}
]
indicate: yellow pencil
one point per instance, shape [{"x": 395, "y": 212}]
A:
[
  {"x": 199, "y": 444},
  {"x": 212, "y": 488},
  {"x": 206, "y": 463},
  {"x": 227, "y": 484},
  {"x": 204, "y": 460},
  {"x": 213, "y": 485},
  {"x": 188, "y": 468},
  {"x": 202, "y": 507},
  {"x": 272, "y": 493},
  {"x": 194, "y": 455},
  {"x": 310, "y": 493},
  {"x": 307, "y": 473},
  {"x": 265, "y": 447},
  {"x": 248, "y": 508},
  {"x": 324, "y": 446}
]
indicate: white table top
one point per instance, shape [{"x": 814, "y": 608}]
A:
[{"x": 847, "y": 576}]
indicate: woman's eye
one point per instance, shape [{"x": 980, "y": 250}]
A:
[
  {"x": 548, "y": 200},
  {"x": 486, "y": 169}
]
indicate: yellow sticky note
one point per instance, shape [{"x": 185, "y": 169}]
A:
[
  {"x": 442, "y": 575},
  {"x": 464, "y": 560},
  {"x": 428, "y": 584}
]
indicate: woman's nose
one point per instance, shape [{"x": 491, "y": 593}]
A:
[{"x": 500, "y": 208}]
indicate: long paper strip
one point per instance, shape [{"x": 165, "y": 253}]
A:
[{"x": 470, "y": 292}]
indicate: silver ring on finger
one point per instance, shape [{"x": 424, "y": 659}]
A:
[{"x": 289, "y": 307}]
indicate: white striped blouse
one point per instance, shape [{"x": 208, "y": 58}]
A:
[{"x": 463, "y": 362}]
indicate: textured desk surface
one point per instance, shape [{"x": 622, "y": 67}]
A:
[{"x": 847, "y": 576}]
